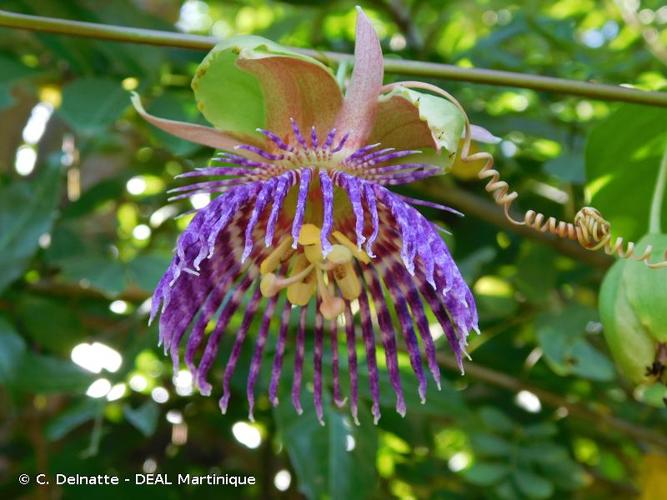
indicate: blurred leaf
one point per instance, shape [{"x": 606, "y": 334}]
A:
[
  {"x": 568, "y": 167},
  {"x": 51, "y": 324},
  {"x": 144, "y": 418},
  {"x": 532, "y": 485},
  {"x": 47, "y": 374},
  {"x": 12, "y": 349},
  {"x": 622, "y": 157},
  {"x": 90, "y": 105},
  {"x": 490, "y": 445},
  {"x": 74, "y": 416},
  {"x": 104, "y": 274},
  {"x": 562, "y": 336},
  {"x": 146, "y": 270},
  {"x": 496, "y": 420},
  {"x": 27, "y": 211},
  {"x": 536, "y": 273},
  {"x": 179, "y": 106},
  {"x": 486, "y": 474},
  {"x": 320, "y": 456}
]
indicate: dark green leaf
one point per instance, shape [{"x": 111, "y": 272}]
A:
[
  {"x": 320, "y": 456},
  {"x": 12, "y": 349},
  {"x": 90, "y": 105},
  {"x": 144, "y": 418},
  {"x": 27, "y": 211},
  {"x": 486, "y": 474},
  {"x": 532, "y": 485}
]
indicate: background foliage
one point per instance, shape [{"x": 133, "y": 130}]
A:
[{"x": 85, "y": 231}]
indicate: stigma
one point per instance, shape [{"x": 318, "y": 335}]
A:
[{"x": 332, "y": 278}]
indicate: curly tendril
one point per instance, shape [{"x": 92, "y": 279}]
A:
[{"x": 589, "y": 229}]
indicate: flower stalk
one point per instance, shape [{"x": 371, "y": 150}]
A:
[{"x": 403, "y": 67}]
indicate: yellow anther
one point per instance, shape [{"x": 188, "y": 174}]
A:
[
  {"x": 331, "y": 307},
  {"x": 313, "y": 253},
  {"x": 347, "y": 280},
  {"x": 274, "y": 259},
  {"x": 339, "y": 255},
  {"x": 270, "y": 285},
  {"x": 299, "y": 293},
  {"x": 345, "y": 241},
  {"x": 309, "y": 235}
]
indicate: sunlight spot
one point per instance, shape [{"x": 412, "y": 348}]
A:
[
  {"x": 95, "y": 357},
  {"x": 136, "y": 185},
  {"x": 160, "y": 395},
  {"x": 194, "y": 16},
  {"x": 118, "y": 307},
  {"x": 508, "y": 148},
  {"x": 138, "y": 383},
  {"x": 350, "y": 443},
  {"x": 246, "y": 434},
  {"x": 174, "y": 417},
  {"x": 282, "y": 480},
  {"x": 99, "y": 388},
  {"x": 162, "y": 214},
  {"x": 149, "y": 466},
  {"x": 36, "y": 125},
  {"x": 436, "y": 331},
  {"x": 528, "y": 401},
  {"x": 141, "y": 232},
  {"x": 117, "y": 392},
  {"x": 200, "y": 200},
  {"x": 44, "y": 240},
  {"x": 183, "y": 383},
  {"x": 397, "y": 42},
  {"x": 459, "y": 461},
  {"x": 26, "y": 157}
]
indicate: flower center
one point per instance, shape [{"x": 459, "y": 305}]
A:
[{"x": 310, "y": 272}]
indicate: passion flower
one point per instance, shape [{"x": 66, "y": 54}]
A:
[{"x": 304, "y": 220}]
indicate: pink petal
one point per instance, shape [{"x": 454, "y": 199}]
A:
[
  {"x": 297, "y": 88},
  {"x": 198, "y": 134},
  {"x": 361, "y": 100},
  {"x": 480, "y": 134}
]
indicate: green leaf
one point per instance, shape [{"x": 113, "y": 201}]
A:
[
  {"x": 562, "y": 336},
  {"x": 536, "y": 273},
  {"x": 486, "y": 474},
  {"x": 532, "y": 485},
  {"x": 104, "y": 274},
  {"x": 177, "y": 106},
  {"x": 73, "y": 417},
  {"x": 146, "y": 270},
  {"x": 622, "y": 158},
  {"x": 320, "y": 456},
  {"x": 91, "y": 105},
  {"x": 490, "y": 445},
  {"x": 144, "y": 418},
  {"x": 496, "y": 420},
  {"x": 51, "y": 324},
  {"x": 27, "y": 211},
  {"x": 12, "y": 349},
  {"x": 47, "y": 374}
]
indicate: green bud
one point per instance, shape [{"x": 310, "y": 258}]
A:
[
  {"x": 631, "y": 346},
  {"x": 646, "y": 288},
  {"x": 632, "y": 303}
]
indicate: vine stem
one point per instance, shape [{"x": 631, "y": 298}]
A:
[
  {"x": 658, "y": 196},
  {"x": 392, "y": 65}
]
